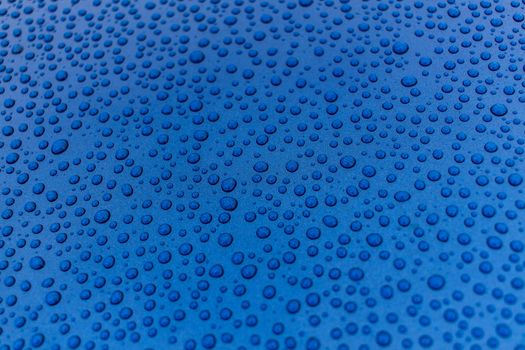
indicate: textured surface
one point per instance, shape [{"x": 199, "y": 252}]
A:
[{"x": 313, "y": 174}]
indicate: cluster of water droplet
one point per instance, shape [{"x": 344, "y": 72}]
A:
[{"x": 280, "y": 174}]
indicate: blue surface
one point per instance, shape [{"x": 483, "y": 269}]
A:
[{"x": 311, "y": 174}]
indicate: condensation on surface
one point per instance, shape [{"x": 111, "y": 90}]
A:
[{"x": 234, "y": 174}]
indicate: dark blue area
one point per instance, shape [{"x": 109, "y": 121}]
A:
[{"x": 242, "y": 174}]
